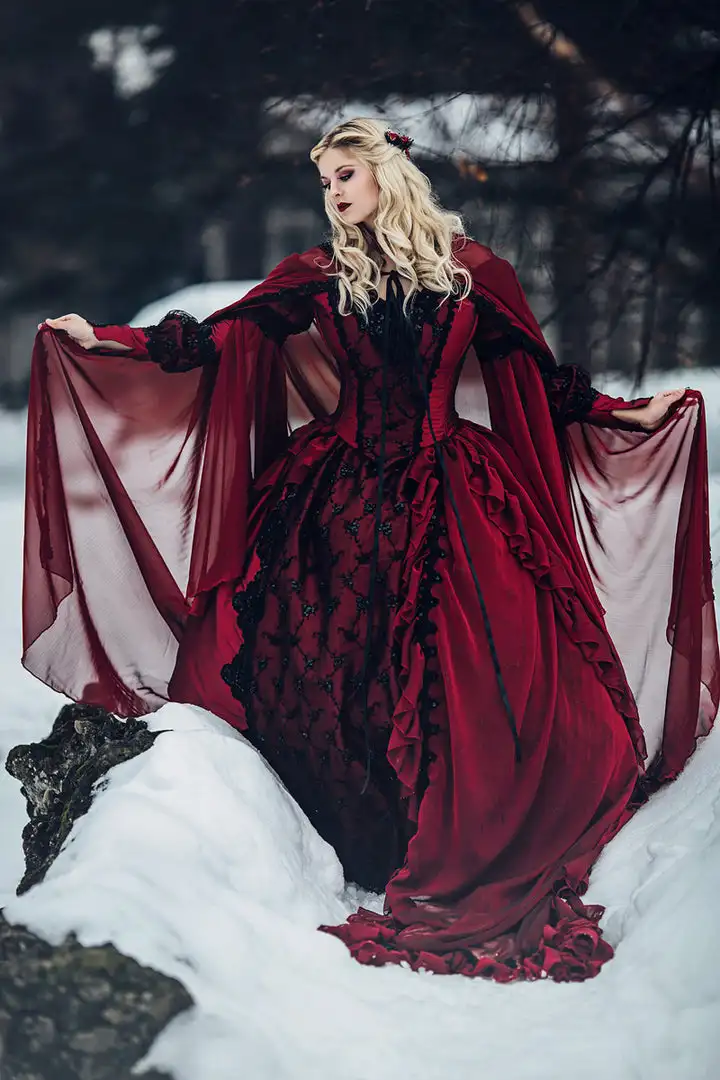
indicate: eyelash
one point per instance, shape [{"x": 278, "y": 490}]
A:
[{"x": 343, "y": 178}]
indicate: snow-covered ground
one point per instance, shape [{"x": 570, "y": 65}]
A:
[{"x": 194, "y": 860}]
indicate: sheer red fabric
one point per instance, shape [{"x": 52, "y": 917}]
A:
[
  {"x": 159, "y": 505},
  {"x": 137, "y": 491},
  {"x": 639, "y": 509}
]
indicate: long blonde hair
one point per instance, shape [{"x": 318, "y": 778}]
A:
[{"x": 410, "y": 226}]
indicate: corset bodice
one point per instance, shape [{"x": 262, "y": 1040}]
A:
[{"x": 399, "y": 373}]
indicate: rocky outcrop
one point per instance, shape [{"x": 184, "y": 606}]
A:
[
  {"x": 69, "y": 1012},
  {"x": 73, "y": 1013},
  {"x": 59, "y": 772}
]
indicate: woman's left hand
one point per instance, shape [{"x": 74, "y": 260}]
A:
[{"x": 651, "y": 416}]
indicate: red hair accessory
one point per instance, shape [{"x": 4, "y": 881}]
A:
[{"x": 403, "y": 142}]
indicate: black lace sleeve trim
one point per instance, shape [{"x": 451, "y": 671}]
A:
[
  {"x": 570, "y": 393},
  {"x": 497, "y": 337},
  {"x": 180, "y": 342},
  {"x": 280, "y": 313}
]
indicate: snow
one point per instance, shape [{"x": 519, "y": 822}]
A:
[
  {"x": 194, "y": 860},
  {"x": 199, "y": 300}
]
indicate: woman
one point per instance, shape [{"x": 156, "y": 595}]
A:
[{"x": 396, "y": 610}]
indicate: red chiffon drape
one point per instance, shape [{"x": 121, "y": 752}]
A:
[{"x": 638, "y": 520}]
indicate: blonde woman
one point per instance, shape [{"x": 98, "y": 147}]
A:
[{"x": 397, "y": 606}]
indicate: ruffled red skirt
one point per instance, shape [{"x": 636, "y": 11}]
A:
[{"x": 377, "y": 703}]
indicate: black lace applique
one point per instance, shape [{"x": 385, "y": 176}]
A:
[
  {"x": 180, "y": 343},
  {"x": 496, "y": 336},
  {"x": 285, "y": 312},
  {"x": 422, "y": 309},
  {"x": 304, "y": 617},
  {"x": 441, "y": 331},
  {"x": 431, "y": 697},
  {"x": 284, "y": 301},
  {"x": 404, "y": 422},
  {"x": 570, "y": 393},
  {"x": 273, "y": 324}
]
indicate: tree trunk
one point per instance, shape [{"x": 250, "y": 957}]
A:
[{"x": 572, "y": 246}]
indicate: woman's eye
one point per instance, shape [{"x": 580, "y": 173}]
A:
[{"x": 343, "y": 178}]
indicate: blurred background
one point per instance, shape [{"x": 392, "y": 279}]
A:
[{"x": 148, "y": 147}]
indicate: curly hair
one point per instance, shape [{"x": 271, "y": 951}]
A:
[{"x": 410, "y": 226}]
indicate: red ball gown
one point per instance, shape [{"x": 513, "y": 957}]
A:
[{"x": 394, "y": 581}]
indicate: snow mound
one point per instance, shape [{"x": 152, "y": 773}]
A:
[{"x": 195, "y": 860}]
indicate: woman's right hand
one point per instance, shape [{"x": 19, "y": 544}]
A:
[{"x": 76, "y": 327}]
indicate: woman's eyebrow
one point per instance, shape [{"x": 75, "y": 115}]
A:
[{"x": 337, "y": 170}]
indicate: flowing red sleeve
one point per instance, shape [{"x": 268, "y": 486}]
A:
[
  {"x": 632, "y": 505},
  {"x": 139, "y": 476}
]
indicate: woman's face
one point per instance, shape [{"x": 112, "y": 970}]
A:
[{"x": 349, "y": 185}]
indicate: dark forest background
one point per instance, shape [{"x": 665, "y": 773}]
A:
[{"x": 148, "y": 145}]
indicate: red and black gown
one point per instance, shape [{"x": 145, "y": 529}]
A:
[{"x": 399, "y": 607}]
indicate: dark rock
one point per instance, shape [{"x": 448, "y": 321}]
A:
[
  {"x": 58, "y": 774},
  {"x": 70, "y": 1012},
  {"x": 73, "y": 1013}
]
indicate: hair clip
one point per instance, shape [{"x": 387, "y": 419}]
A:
[{"x": 403, "y": 142}]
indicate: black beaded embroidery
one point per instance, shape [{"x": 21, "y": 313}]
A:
[
  {"x": 180, "y": 343},
  {"x": 431, "y": 698},
  {"x": 303, "y": 617},
  {"x": 569, "y": 392},
  {"x": 422, "y": 309},
  {"x": 404, "y": 422}
]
